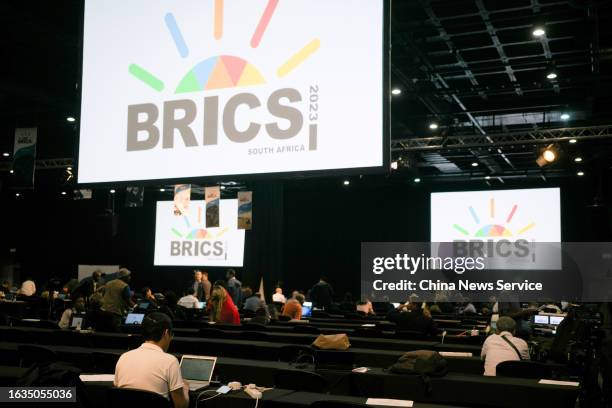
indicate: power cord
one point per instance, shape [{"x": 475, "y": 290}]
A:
[{"x": 206, "y": 399}]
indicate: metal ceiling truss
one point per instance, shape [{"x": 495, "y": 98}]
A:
[{"x": 539, "y": 136}]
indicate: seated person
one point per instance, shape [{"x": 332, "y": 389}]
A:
[
  {"x": 150, "y": 367},
  {"x": 413, "y": 318},
  {"x": 221, "y": 307},
  {"x": 252, "y": 301},
  {"x": 189, "y": 301},
  {"x": 503, "y": 346},
  {"x": 365, "y": 307},
  {"x": 293, "y": 307},
  {"x": 467, "y": 307},
  {"x": 78, "y": 307},
  {"x": 148, "y": 296},
  {"x": 278, "y": 296}
]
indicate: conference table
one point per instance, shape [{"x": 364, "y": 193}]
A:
[
  {"x": 451, "y": 390},
  {"x": 383, "y": 355}
]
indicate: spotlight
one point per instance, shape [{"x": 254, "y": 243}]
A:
[
  {"x": 5, "y": 154},
  {"x": 162, "y": 190},
  {"x": 578, "y": 159},
  {"x": 394, "y": 165},
  {"x": 551, "y": 74},
  {"x": 70, "y": 119},
  {"x": 17, "y": 194},
  {"x": 538, "y": 32},
  {"x": 474, "y": 164},
  {"x": 112, "y": 191},
  {"x": 222, "y": 187},
  {"x": 346, "y": 182},
  {"x": 487, "y": 177},
  {"x": 433, "y": 126},
  {"x": 417, "y": 180},
  {"x": 580, "y": 173},
  {"x": 572, "y": 141},
  {"x": 11, "y": 171},
  {"x": 396, "y": 91},
  {"x": 565, "y": 116},
  {"x": 63, "y": 193},
  {"x": 69, "y": 168},
  {"x": 547, "y": 156}
]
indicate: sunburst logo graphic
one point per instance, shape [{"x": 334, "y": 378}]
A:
[
  {"x": 223, "y": 71},
  {"x": 198, "y": 230},
  {"x": 493, "y": 228}
]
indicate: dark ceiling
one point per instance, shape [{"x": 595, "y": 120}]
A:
[{"x": 471, "y": 66}]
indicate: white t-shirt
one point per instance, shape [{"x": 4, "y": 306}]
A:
[
  {"x": 189, "y": 301},
  {"x": 28, "y": 288},
  {"x": 148, "y": 368},
  {"x": 279, "y": 297},
  {"x": 64, "y": 322},
  {"x": 495, "y": 350}
]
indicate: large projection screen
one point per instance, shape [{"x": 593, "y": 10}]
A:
[
  {"x": 185, "y": 240},
  {"x": 530, "y": 214},
  {"x": 202, "y": 88}
]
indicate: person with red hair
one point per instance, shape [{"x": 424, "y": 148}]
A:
[{"x": 221, "y": 307}]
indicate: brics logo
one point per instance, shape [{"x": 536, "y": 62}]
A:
[{"x": 144, "y": 132}]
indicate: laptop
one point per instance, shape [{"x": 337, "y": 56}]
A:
[
  {"x": 201, "y": 305},
  {"x": 539, "y": 319},
  {"x": 306, "y": 309},
  {"x": 197, "y": 370},
  {"x": 77, "y": 321},
  {"x": 134, "y": 318},
  {"x": 144, "y": 305}
]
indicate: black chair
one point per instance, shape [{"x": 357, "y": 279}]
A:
[
  {"x": 292, "y": 352},
  {"x": 104, "y": 363},
  {"x": 337, "y": 404},
  {"x": 124, "y": 397},
  {"x": 300, "y": 381},
  {"x": 283, "y": 318},
  {"x": 213, "y": 333},
  {"x": 530, "y": 369},
  {"x": 334, "y": 359},
  {"x": 30, "y": 354}
]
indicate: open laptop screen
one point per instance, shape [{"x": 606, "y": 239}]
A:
[
  {"x": 306, "y": 309},
  {"x": 538, "y": 319},
  {"x": 134, "y": 318},
  {"x": 197, "y": 369}
]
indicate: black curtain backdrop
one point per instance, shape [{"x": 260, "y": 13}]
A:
[{"x": 302, "y": 229}]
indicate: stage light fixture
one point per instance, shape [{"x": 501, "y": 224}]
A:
[
  {"x": 487, "y": 177},
  {"x": 222, "y": 187},
  {"x": 580, "y": 173},
  {"x": 578, "y": 159},
  {"x": 538, "y": 32},
  {"x": 162, "y": 190},
  {"x": 572, "y": 141},
  {"x": 5, "y": 154},
  {"x": 112, "y": 191},
  {"x": 11, "y": 171},
  {"x": 71, "y": 119},
  {"x": 417, "y": 180},
  {"x": 69, "y": 168},
  {"x": 433, "y": 126},
  {"x": 17, "y": 194},
  {"x": 396, "y": 91},
  {"x": 547, "y": 156},
  {"x": 394, "y": 165},
  {"x": 63, "y": 193},
  {"x": 565, "y": 116},
  {"x": 551, "y": 74},
  {"x": 346, "y": 182},
  {"x": 474, "y": 164}
]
